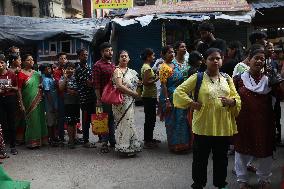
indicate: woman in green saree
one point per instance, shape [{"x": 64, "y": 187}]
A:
[
  {"x": 7, "y": 183},
  {"x": 30, "y": 94}
]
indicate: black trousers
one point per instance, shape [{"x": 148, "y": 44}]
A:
[
  {"x": 202, "y": 146},
  {"x": 7, "y": 118},
  {"x": 87, "y": 110},
  {"x": 150, "y": 117},
  {"x": 277, "y": 113}
]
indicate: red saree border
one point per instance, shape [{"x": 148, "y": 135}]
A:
[
  {"x": 34, "y": 104},
  {"x": 37, "y": 142},
  {"x": 180, "y": 147}
]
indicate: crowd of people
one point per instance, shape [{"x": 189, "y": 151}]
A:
[{"x": 218, "y": 97}]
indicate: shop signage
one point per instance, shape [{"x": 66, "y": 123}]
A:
[{"x": 112, "y": 4}]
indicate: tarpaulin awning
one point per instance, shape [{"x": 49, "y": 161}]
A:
[
  {"x": 194, "y": 6},
  {"x": 267, "y": 4},
  {"x": 145, "y": 20},
  {"x": 23, "y": 29}
]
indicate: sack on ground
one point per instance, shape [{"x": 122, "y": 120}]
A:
[{"x": 99, "y": 122}]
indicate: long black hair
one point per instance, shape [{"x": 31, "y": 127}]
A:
[
  {"x": 237, "y": 45},
  {"x": 146, "y": 53}
]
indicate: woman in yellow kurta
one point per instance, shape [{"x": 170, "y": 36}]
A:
[{"x": 213, "y": 121}]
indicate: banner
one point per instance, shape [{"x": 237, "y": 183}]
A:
[
  {"x": 193, "y": 6},
  {"x": 112, "y": 4}
]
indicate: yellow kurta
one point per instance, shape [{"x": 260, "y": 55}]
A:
[{"x": 212, "y": 119}]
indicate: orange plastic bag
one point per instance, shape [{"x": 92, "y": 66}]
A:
[{"x": 99, "y": 122}]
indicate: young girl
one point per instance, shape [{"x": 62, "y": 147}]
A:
[
  {"x": 68, "y": 85},
  {"x": 149, "y": 96},
  {"x": 50, "y": 97}
]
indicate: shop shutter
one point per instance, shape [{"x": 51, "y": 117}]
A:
[
  {"x": 232, "y": 33},
  {"x": 135, "y": 39}
]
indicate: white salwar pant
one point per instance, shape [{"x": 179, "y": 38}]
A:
[{"x": 263, "y": 168}]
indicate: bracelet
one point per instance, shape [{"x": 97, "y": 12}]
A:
[
  {"x": 167, "y": 99},
  {"x": 234, "y": 103}
]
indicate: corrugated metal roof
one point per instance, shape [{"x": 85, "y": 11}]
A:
[{"x": 268, "y": 4}]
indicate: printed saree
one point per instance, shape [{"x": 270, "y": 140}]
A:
[
  {"x": 127, "y": 141},
  {"x": 176, "y": 122}
]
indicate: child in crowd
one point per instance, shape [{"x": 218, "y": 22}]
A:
[
  {"x": 50, "y": 98},
  {"x": 67, "y": 84}
]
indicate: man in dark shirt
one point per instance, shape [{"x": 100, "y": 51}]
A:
[
  {"x": 102, "y": 73},
  {"x": 258, "y": 37},
  {"x": 83, "y": 76},
  {"x": 206, "y": 31}
]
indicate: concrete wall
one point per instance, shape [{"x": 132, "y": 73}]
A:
[
  {"x": 56, "y": 9},
  {"x": 9, "y": 7}
]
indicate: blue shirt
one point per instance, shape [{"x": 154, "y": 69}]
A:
[{"x": 49, "y": 88}]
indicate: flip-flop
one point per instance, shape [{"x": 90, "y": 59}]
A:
[
  {"x": 89, "y": 145},
  {"x": 156, "y": 141},
  {"x": 105, "y": 149},
  {"x": 4, "y": 155}
]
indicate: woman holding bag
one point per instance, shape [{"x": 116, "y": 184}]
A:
[{"x": 126, "y": 81}]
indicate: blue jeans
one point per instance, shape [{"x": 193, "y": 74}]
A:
[{"x": 110, "y": 137}]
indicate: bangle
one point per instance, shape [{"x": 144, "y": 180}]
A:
[{"x": 234, "y": 103}]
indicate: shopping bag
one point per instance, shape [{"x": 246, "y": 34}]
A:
[
  {"x": 111, "y": 95},
  {"x": 99, "y": 122}
]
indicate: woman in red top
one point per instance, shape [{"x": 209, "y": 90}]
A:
[
  {"x": 8, "y": 99},
  {"x": 15, "y": 66}
]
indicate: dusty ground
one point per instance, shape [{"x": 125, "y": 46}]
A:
[{"x": 61, "y": 168}]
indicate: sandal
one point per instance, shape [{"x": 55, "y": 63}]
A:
[
  {"x": 71, "y": 146},
  {"x": 149, "y": 145},
  {"x": 156, "y": 141},
  {"x": 264, "y": 185},
  {"x": 79, "y": 141},
  {"x": 104, "y": 148},
  {"x": 244, "y": 185},
  {"x": 14, "y": 151},
  {"x": 251, "y": 168},
  {"x": 89, "y": 145},
  {"x": 3, "y": 154}
]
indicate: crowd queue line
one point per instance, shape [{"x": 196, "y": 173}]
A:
[{"x": 218, "y": 98}]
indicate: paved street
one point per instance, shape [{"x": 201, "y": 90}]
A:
[{"x": 57, "y": 168}]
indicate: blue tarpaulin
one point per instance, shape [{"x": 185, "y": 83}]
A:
[
  {"x": 267, "y": 4},
  {"x": 26, "y": 29}
]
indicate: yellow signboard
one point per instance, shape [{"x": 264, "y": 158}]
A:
[{"x": 112, "y": 4}]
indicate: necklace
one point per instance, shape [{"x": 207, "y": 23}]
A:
[
  {"x": 212, "y": 81},
  {"x": 255, "y": 80}
]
